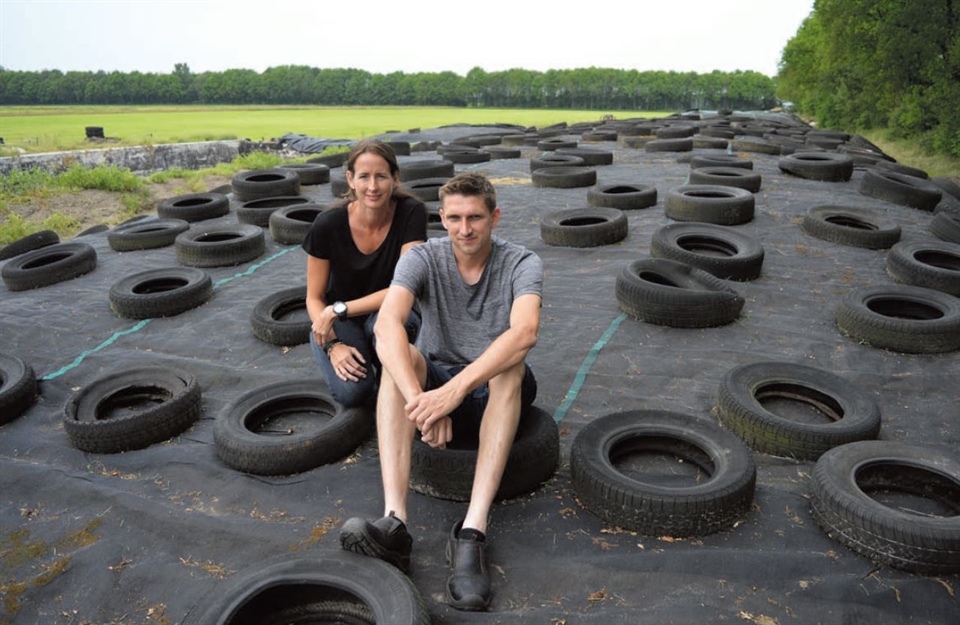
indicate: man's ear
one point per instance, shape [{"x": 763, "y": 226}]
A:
[{"x": 495, "y": 216}]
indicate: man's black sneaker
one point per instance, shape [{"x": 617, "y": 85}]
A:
[
  {"x": 385, "y": 538},
  {"x": 468, "y": 588}
]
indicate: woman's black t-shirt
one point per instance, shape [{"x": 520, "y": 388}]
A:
[{"x": 354, "y": 274}]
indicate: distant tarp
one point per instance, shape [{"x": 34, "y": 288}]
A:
[{"x": 311, "y": 145}]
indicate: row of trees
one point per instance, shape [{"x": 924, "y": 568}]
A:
[
  {"x": 588, "y": 88},
  {"x": 879, "y": 63}
]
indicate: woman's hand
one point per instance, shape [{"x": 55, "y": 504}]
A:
[
  {"x": 323, "y": 328},
  {"x": 348, "y": 362}
]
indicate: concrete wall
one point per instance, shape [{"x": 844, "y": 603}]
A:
[{"x": 139, "y": 159}]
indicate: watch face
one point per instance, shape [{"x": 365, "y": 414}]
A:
[{"x": 339, "y": 308}]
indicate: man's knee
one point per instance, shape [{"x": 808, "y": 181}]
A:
[{"x": 508, "y": 381}]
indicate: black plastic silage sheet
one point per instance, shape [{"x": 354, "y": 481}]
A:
[{"x": 144, "y": 536}]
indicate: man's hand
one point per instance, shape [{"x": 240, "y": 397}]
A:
[
  {"x": 429, "y": 407},
  {"x": 439, "y": 434}
]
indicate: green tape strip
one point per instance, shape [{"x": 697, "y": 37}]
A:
[{"x": 585, "y": 369}]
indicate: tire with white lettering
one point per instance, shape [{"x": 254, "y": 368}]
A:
[
  {"x": 847, "y": 225},
  {"x": 584, "y": 227},
  {"x": 260, "y": 183},
  {"x": 605, "y": 484},
  {"x": 160, "y": 292},
  {"x": 219, "y": 245},
  {"x": 146, "y": 234},
  {"x": 18, "y": 387},
  {"x": 930, "y": 264},
  {"x": 131, "y": 409},
  {"x": 564, "y": 177},
  {"x": 194, "y": 207},
  {"x": 908, "y": 319},
  {"x": 281, "y": 318},
  {"x": 670, "y": 293},
  {"x": 622, "y": 196},
  {"x": 448, "y": 473},
  {"x": 852, "y": 413},
  {"x": 49, "y": 265},
  {"x": 714, "y": 204},
  {"x": 925, "y": 542},
  {"x": 823, "y": 166},
  {"x": 288, "y": 427},
  {"x": 29, "y": 243},
  {"x": 891, "y": 186},
  {"x": 720, "y": 250}
]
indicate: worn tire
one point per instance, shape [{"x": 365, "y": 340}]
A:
[
  {"x": 289, "y": 225},
  {"x": 718, "y": 250},
  {"x": 759, "y": 146},
  {"x": 241, "y": 446},
  {"x": 219, "y": 245},
  {"x": 261, "y": 183},
  {"x": 146, "y": 234},
  {"x": 49, "y": 265},
  {"x": 850, "y": 226},
  {"x": 329, "y": 586},
  {"x": 726, "y": 177},
  {"x": 257, "y": 212},
  {"x": 584, "y": 227},
  {"x": 131, "y": 409},
  {"x": 448, "y": 473},
  {"x": 669, "y": 145},
  {"x": 555, "y": 160},
  {"x": 427, "y": 189},
  {"x": 554, "y": 143},
  {"x": 642, "y": 505},
  {"x": 715, "y": 204},
  {"x": 948, "y": 186},
  {"x": 670, "y": 293},
  {"x": 418, "y": 169},
  {"x": 309, "y": 173},
  {"x": 930, "y": 264},
  {"x": 18, "y": 387},
  {"x": 591, "y": 156},
  {"x": 720, "y": 160},
  {"x": 843, "y": 479},
  {"x": 854, "y": 415},
  {"x": 901, "y": 189},
  {"x": 823, "y": 166},
  {"x": 271, "y": 317},
  {"x": 622, "y": 196},
  {"x": 907, "y": 319},
  {"x": 564, "y": 177},
  {"x": 160, "y": 292},
  {"x": 946, "y": 227},
  {"x": 29, "y": 243},
  {"x": 466, "y": 156},
  {"x": 498, "y": 153},
  {"x": 194, "y": 207}
]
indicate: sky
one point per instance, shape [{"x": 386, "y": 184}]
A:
[{"x": 383, "y": 36}]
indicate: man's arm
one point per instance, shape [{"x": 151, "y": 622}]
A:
[
  {"x": 507, "y": 350},
  {"x": 392, "y": 342}
]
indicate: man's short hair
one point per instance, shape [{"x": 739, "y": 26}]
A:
[{"x": 471, "y": 184}]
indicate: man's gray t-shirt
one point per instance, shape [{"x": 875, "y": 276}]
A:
[{"x": 461, "y": 320}]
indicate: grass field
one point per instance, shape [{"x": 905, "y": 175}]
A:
[{"x": 52, "y": 128}]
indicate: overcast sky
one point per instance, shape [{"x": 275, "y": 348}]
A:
[{"x": 383, "y": 36}]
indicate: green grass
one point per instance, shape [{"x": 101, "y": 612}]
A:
[
  {"x": 52, "y": 128},
  {"x": 910, "y": 152}
]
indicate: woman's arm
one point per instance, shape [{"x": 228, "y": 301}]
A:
[
  {"x": 372, "y": 302},
  {"x": 321, "y": 314}
]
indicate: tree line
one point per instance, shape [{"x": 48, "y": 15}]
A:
[
  {"x": 585, "y": 89},
  {"x": 894, "y": 64}
]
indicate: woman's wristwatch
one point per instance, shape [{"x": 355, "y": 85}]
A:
[{"x": 340, "y": 310}]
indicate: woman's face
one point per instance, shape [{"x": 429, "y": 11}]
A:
[{"x": 371, "y": 180}]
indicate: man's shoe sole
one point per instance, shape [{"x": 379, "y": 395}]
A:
[{"x": 355, "y": 537}]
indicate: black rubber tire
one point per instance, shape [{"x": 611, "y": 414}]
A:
[
  {"x": 900, "y": 168},
  {"x": 29, "y": 243},
  {"x": 669, "y": 145},
  {"x": 131, "y": 409},
  {"x": 241, "y": 446},
  {"x": 160, "y": 292},
  {"x": 909, "y": 319},
  {"x": 680, "y": 131},
  {"x": 18, "y": 387},
  {"x": 312, "y": 586},
  {"x": 714, "y": 204},
  {"x": 657, "y": 509},
  {"x": 622, "y": 196},
  {"x": 339, "y": 186},
  {"x": 332, "y": 161},
  {"x": 843, "y": 480},
  {"x": 49, "y": 265},
  {"x": 760, "y": 146},
  {"x": 223, "y": 189},
  {"x": 720, "y": 160},
  {"x": 591, "y": 157},
  {"x": 564, "y": 177},
  {"x": 498, "y": 153},
  {"x": 194, "y": 207},
  {"x": 946, "y": 227},
  {"x": 930, "y": 264},
  {"x": 597, "y": 136},
  {"x": 146, "y": 234},
  {"x": 823, "y": 166},
  {"x": 555, "y": 160},
  {"x": 268, "y": 317},
  {"x": 257, "y": 212},
  {"x": 448, "y": 473},
  {"x": 415, "y": 170},
  {"x": 854, "y": 414},
  {"x": 400, "y": 148},
  {"x": 554, "y": 143},
  {"x": 709, "y": 143},
  {"x": 670, "y": 293},
  {"x": 726, "y": 177},
  {"x": 584, "y": 227},
  {"x": 901, "y": 189},
  {"x": 948, "y": 186},
  {"x": 289, "y": 225},
  {"x": 850, "y": 226},
  {"x": 219, "y": 245},
  {"x": 427, "y": 189},
  {"x": 719, "y": 250},
  {"x": 466, "y": 157},
  {"x": 309, "y": 173},
  {"x": 260, "y": 183}
]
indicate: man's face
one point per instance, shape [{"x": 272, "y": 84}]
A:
[{"x": 469, "y": 223}]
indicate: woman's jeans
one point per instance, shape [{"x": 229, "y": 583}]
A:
[{"x": 358, "y": 332}]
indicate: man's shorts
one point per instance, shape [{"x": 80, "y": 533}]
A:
[{"x": 467, "y": 416}]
